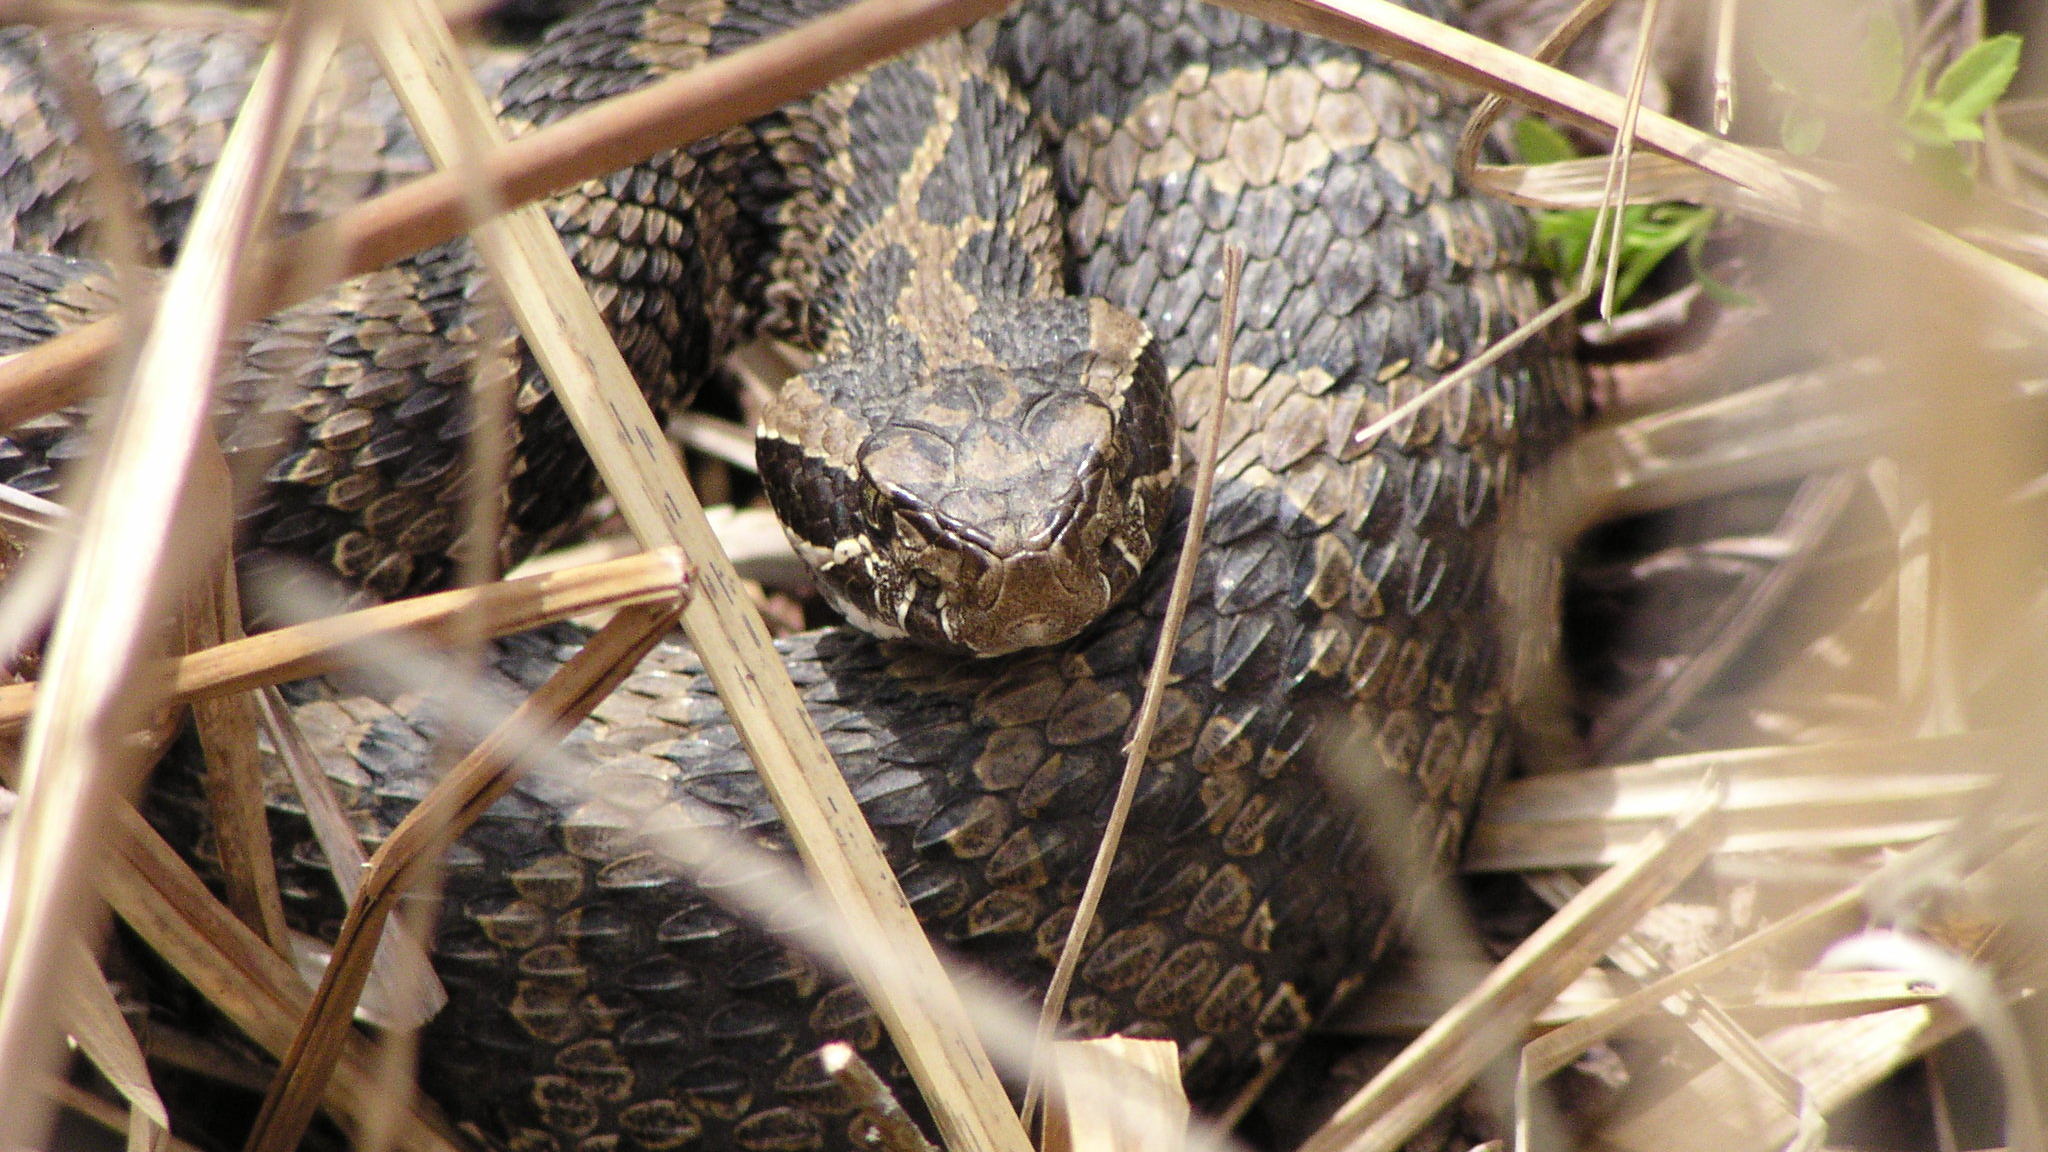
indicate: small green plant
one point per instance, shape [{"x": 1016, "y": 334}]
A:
[
  {"x": 1649, "y": 232},
  {"x": 1931, "y": 119}
]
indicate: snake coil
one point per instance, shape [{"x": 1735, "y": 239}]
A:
[{"x": 1344, "y": 612}]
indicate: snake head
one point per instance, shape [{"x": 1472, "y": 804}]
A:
[{"x": 999, "y": 497}]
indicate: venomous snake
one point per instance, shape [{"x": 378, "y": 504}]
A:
[{"x": 598, "y": 999}]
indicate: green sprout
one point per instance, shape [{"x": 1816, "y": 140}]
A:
[
  {"x": 1649, "y": 232},
  {"x": 1930, "y": 121}
]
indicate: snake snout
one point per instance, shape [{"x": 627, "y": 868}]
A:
[{"x": 999, "y": 498}]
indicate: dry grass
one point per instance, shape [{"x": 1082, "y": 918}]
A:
[{"x": 1812, "y": 835}]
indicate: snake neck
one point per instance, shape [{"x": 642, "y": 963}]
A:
[
  {"x": 931, "y": 197},
  {"x": 976, "y": 461}
]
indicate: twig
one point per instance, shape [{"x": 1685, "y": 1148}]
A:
[
  {"x": 890, "y": 1128},
  {"x": 431, "y": 210},
  {"x": 1140, "y": 744},
  {"x": 569, "y": 340},
  {"x": 323, "y": 646},
  {"x": 76, "y": 752},
  {"x": 484, "y": 776},
  {"x": 1430, "y": 1072}
]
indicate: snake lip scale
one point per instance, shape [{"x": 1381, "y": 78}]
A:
[{"x": 1027, "y": 217}]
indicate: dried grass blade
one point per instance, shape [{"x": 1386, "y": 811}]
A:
[
  {"x": 893, "y": 1129},
  {"x": 233, "y": 780},
  {"x": 1788, "y": 428},
  {"x": 416, "y": 844},
  {"x": 569, "y": 339},
  {"x": 76, "y": 753},
  {"x": 1465, "y": 372},
  {"x": 1116, "y": 1094},
  {"x": 1757, "y": 184},
  {"x": 1857, "y": 794},
  {"x": 1705, "y": 1017},
  {"x": 1724, "y": 65},
  {"x": 164, "y": 901},
  {"x": 111, "y": 1117},
  {"x": 433, "y": 209},
  {"x": 1140, "y": 745},
  {"x": 1406, "y": 1000},
  {"x": 323, "y": 646},
  {"x": 1438, "y": 1065},
  {"x": 1969, "y": 986},
  {"x": 402, "y": 991},
  {"x": 94, "y": 1020},
  {"x": 1633, "y": 722},
  {"x": 1718, "y": 1111},
  {"x": 1617, "y": 191}
]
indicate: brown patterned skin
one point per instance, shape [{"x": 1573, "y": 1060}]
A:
[
  {"x": 977, "y": 461},
  {"x": 600, "y": 1001}
]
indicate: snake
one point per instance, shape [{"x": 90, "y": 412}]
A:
[{"x": 1075, "y": 170}]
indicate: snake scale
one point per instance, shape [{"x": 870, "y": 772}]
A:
[{"x": 1344, "y": 598}]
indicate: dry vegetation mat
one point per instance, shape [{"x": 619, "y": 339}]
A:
[{"x": 1784, "y": 828}]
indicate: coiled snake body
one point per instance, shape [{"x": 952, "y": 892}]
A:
[{"x": 597, "y": 998}]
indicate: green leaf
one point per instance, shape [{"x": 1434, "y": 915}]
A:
[
  {"x": 1802, "y": 129},
  {"x": 1664, "y": 229},
  {"x": 1537, "y": 142},
  {"x": 1649, "y": 234},
  {"x": 1726, "y": 295},
  {"x": 1562, "y": 238},
  {"x": 1925, "y": 125},
  {"x": 1968, "y": 88}
]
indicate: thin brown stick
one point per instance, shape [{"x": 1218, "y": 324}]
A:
[
  {"x": 719, "y": 94},
  {"x": 323, "y": 646},
  {"x": 484, "y": 776},
  {"x": 1140, "y": 744},
  {"x": 403, "y": 991},
  {"x": 891, "y": 1128},
  {"x": 77, "y": 751},
  {"x": 158, "y": 895},
  {"x": 569, "y": 340},
  {"x": 1430, "y": 1072},
  {"x": 1748, "y": 180},
  {"x": 233, "y": 780}
]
